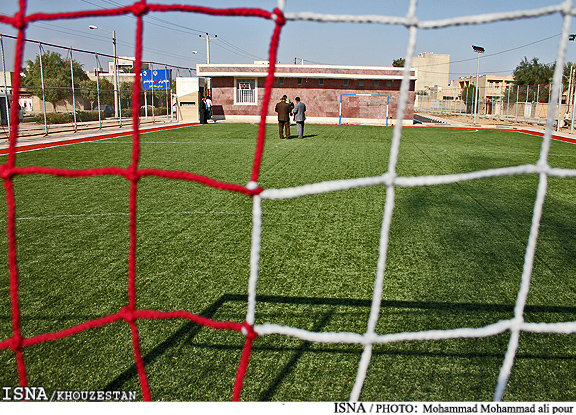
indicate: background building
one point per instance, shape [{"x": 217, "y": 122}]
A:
[
  {"x": 432, "y": 70},
  {"x": 238, "y": 91}
]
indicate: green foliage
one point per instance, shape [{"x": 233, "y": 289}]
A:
[
  {"x": 400, "y": 62},
  {"x": 89, "y": 89},
  {"x": 57, "y": 77},
  {"x": 89, "y": 116},
  {"x": 533, "y": 72},
  {"x": 126, "y": 94},
  {"x": 54, "y": 118},
  {"x": 65, "y": 117},
  {"x": 530, "y": 93},
  {"x": 468, "y": 95}
]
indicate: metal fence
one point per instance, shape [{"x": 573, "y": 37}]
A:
[
  {"x": 516, "y": 103},
  {"x": 66, "y": 99}
]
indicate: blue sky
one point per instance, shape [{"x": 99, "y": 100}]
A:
[{"x": 171, "y": 38}]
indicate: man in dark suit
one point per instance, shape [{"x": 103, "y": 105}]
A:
[
  {"x": 283, "y": 109},
  {"x": 203, "y": 111}
]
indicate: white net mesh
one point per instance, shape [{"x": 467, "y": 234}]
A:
[{"x": 391, "y": 181}]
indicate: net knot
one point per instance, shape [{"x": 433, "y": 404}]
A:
[
  {"x": 279, "y": 17},
  {"x": 6, "y": 172},
  {"x": 128, "y": 314},
  {"x": 132, "y": 175},
  {"x": 249, "y": 331},
  {"x": 19, "y": 21},
  {"x": 16, "y": 342},
  {"x": 139, "y": 9}
]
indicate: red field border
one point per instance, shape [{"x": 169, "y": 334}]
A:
[
  {"x": 40, "y": 146},
  {"x": 57, "y": 143},
  {"x": 522, "y": 131}
]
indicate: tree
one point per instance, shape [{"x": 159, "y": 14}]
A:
[
  {"x": 89, "y": 90},
  {"x": 533, "y": 72},
  {"x": 399, "y": 63},
  {"x": 57, "y": 77},
  {"x": 126, "y": 94},
  {"x": 468, "y": 95},
  {"x": 567, "y": 67}
]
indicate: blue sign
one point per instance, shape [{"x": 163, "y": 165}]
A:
[{"x": 156, "y": 79}]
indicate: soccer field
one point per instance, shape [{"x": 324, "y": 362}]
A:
[{"x": 455, "y": 260}]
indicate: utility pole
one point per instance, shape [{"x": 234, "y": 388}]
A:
[
  {"x": 116, "y": 84},
  {"x": 207, "y": 36}
]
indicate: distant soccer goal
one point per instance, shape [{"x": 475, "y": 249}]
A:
[{"x": 370, "y": 108}]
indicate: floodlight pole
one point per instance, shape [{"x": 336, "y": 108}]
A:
[
  {"x": 478, "y": 50},
  {"x": 571, "y": 38}
]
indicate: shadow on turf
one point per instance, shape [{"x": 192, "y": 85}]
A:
[{"x": 186, "y": 333}]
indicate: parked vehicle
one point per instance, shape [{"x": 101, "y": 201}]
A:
[
  {"x": 5, "y": 112},
  {"x": 105, "y": 109}
]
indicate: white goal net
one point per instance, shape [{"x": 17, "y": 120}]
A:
[{"x": 391, "y": 180}]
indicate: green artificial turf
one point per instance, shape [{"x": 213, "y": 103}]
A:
[{"x": 455, "y": 260}]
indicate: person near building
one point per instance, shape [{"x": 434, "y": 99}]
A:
[
  {"x": 203, "y": 111},
  {"x": 208, "y": 108},
  {"x": 284, "y": 111},
  {"x": 299, "y": 116}
]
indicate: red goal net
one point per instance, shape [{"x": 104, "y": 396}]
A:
[{"x": 133, "y": 173}]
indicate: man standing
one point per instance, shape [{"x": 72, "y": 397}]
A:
[
  {"x": 203, "y": 111},
  {"x": 283, "y": 109},
  {"x": 299, "y": 116},
  {"x": 208, "y": 108}
]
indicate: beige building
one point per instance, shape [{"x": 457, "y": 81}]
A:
[
  {"x": 432, "y": 70},
  {"x": 490, "y": 87},
  {"x": 125, "y": 66},
  {"x": 189, "y": 93}
]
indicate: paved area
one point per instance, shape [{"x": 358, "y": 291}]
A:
[
  {"x": 31, "y": 136},
  {"x": 467, "y": 122}
]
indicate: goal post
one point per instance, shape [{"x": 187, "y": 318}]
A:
[{"x": 364, "y": 95}]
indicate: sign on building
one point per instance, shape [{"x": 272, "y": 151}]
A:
[{"x": 156, "y": 79}]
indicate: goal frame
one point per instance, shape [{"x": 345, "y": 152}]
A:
[{"x": 363, "y": 95}]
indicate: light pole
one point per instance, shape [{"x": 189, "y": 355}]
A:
[
  {"x": 116, "y": 86},
  {"x": 571, "y": 38},
  {"x": 478, "y": 50}
]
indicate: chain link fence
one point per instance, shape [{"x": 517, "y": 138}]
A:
[
  {"x": 59, "y": 95},
  {"x": 516, "y": 103}
]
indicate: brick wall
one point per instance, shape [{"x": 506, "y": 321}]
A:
[{"x": 321, "y": 100}]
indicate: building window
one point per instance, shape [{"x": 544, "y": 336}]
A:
[
  {"x": 245, "y": 91},
  {"x": 376, "y": 84},
  {"x": 388, "y": 84},
  {"x": 320, "y": 82},
  {"x": 346, "y": 82},
  {"x": 361, "y": 82},
  {"x": 299, "y": 81},
  {"x": 281, "y": 81}
]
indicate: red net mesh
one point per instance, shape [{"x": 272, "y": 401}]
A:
[{"x": 130, "y": 313}]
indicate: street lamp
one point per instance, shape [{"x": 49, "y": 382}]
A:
[
  {"x": 571, "y": 38},
  {"x": 116, "y": 86},
  {"x": 478, "y": 50}
]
